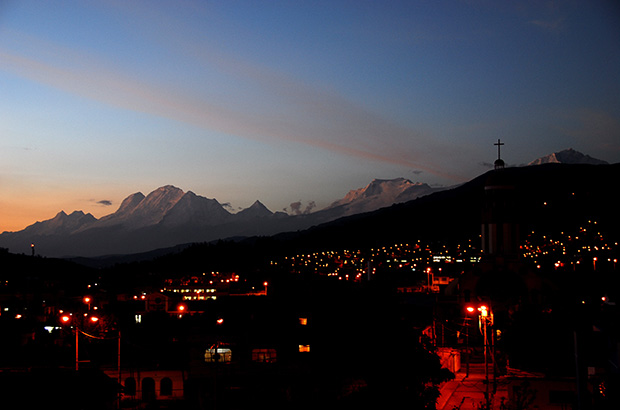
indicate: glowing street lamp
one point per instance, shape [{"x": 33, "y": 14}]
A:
[
  {"x": 485, "y": 318},
  {"x": 66, "y": 319},
  {"x": 468, "y": 309}
]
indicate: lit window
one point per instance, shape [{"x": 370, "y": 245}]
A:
[
  {"x": 138, "y": 318},
  {"x": 222, "y": 355},
  {"x": 264, "y": 355},
  {"x": 304, "y": 348},
  {"x": 303, "y": 321}
]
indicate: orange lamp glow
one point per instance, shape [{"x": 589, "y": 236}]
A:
[
  {"x": 470, "y": 309},
  {"x": 94, "y": 319},
  {"x": 483, "y": 311}
]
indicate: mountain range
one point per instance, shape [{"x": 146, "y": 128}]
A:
[{"x": 168, "y": 216}]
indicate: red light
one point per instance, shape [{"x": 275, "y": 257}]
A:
[
  {"x": 220, "y": 321},
  {"x": 65, "y": 318},
  {"x": 181, "y": 308}
]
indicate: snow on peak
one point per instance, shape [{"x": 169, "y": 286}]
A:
[
  {"x": 130, "y": 203},
  {"x": 387, "y": 189},
  {"x": 62, "y": 223},
  {"x": 196, "y": 210},
  {"x": 567, "y": 156},
  {"x": 381, "y": 193}
]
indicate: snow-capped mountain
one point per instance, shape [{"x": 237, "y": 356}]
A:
[
  {"x": 138, "y": 211},
  {"x": 568, "y": 156},
  {"x": 379, "y": 194},
  {"x": 61, "y": 224},
  {"x": 192, "y": 209},
  {"x": 169, "y": 216}
]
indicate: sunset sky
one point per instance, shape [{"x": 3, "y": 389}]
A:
[{"x": 286, "y": 101}]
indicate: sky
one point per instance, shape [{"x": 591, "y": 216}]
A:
[{"x": 291, "y": 101}]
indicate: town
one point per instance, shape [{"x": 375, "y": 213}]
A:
[{"x": 512, "y": 316}]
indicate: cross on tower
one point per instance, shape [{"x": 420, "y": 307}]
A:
[{"x": 499, "y": 144}]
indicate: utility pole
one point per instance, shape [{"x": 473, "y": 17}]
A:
[
  {"x": 118, "y": 364},
  {"x": 77, "y": 338},
  {"x": 486, "y": 363}
]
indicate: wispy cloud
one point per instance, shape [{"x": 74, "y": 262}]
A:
[{"x": 329, "y": 122}]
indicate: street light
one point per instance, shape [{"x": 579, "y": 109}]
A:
[
  {"x": 486, "y": 317},
  {"x": 469, "y": 309},
  {"x": 66, "y": 319}
]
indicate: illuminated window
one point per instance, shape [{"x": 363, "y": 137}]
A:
[
  {"x": 264, "y": 355},
  {"x": 304, "y": 348},
  {"x": 222, "y": 355},
  {"x": 303, "y": 321},
  {"x": 138, "y": 318}
]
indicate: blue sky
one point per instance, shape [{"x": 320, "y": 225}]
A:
[{"x": 287, "y": 101}]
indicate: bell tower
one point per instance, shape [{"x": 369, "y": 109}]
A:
[{"x": 499, "y": 226}]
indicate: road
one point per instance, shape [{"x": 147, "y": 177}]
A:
[{"x": 465, "y": 393}]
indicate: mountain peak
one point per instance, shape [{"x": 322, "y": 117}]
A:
[
  {"x": 258, "y": 204},
  {"x": 169, "y": 188},
  {"x": 130, "y": 203},
  {"x": 62, "y": 223},
  {"x": 568, "y": 156},
  {"x": 381, "y": 193},
  {"x": 257, "y": 209}
]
